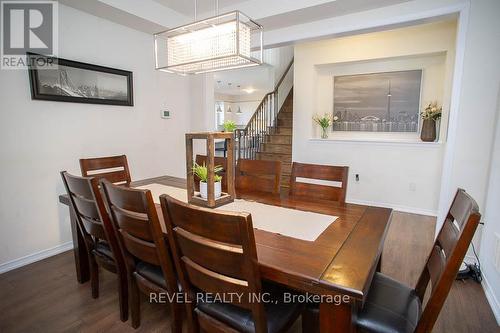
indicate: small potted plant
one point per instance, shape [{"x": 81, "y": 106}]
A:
[
  {"x": 201, "y": 172},
  {"x": 325, "y": 121},
  {"x": 430, "y": 115},
  {"x": 229, "y": 126}
]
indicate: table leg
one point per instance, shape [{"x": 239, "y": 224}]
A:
[
  {"x": 337, "y": 317},
  {"x": 79, "y": 251}
]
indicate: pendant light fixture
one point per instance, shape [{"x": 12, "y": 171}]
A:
[
  {"x": 239, "y": 96},
  {"x": 226, "y": 41}
]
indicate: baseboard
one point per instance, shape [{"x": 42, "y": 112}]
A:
[
  {"x": 406, "y": 209},
  {"x": 492, "y": 300},
  {"x": 31, "y": 258}
]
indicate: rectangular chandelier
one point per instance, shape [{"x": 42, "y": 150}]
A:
[{"x": 227, "y": 41}]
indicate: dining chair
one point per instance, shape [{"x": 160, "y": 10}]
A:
[
  {"x": 100, "y": 240},
  {"x": 395, "y": 307},
  {"x": 215, "y": 252},
  {"x": 144, "y": 247},
  {"x": 258, "y": 175},
  {"x": 222, "y": 161},
  {"x": 321, "y": 173},
  {"x": 113, "y": 168}
]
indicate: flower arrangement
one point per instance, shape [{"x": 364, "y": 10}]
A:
[
  {"x": 325, "y": 121},
  {"x": 229, "y": 126},
  {"x": 432, "y": 111}
]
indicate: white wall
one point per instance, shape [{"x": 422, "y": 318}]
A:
[
  {"x": 402, "y": 165},
  {"x": 475, "y": 162},
  {"x": 491, "y": 219},
  {"x": 40, "y": 138}
]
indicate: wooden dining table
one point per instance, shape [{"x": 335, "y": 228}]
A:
[{"x": 341, "y": 262}]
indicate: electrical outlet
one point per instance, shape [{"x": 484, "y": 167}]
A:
[
  {"x": 497, "y": 252},
  {"x": 413, "y": 187}
]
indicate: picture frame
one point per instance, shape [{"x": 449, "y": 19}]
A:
[
  {"x": 387, "y": 101},
  {"x": 63, "y": 80}
]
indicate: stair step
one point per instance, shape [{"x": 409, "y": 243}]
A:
[
  {"x": 284, "y": 130},
  {"x": 277, "y": 148},
  {"x": 274, "y": 157},
  {"x": 285, "y": 180},
  {"x": 279, "y": 138},
  {"x": 285, "y": 115},
  {"x": 285, "y": 122},
  {"x": 286, "y": 168}
]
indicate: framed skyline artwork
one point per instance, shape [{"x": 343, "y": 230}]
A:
[{"x": 377, "y": 102}]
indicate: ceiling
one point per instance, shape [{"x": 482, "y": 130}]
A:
[
  {"x": 186, "y": 7},
  {"x": 156, "y": 15}
]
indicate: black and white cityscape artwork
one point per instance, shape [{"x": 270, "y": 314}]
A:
[
  {"x": 378, "y": 102},
  {"x": 71, "y": 81}
]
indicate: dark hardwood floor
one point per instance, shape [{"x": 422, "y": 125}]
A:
[{"x": 45, "y": 297}]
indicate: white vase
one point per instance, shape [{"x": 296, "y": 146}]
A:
[{"x": 204, "y": 191}]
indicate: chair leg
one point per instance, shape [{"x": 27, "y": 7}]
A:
[
  {"x": 135, "y": 302},
  {"x": 123, "y": 296},
  {"x": 94, "y": 276},
  {"x": 310, "y": 320},
  {"x": 176, "y": 315}
]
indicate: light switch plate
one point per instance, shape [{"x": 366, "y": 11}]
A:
[{"x": 165, "y": 114}]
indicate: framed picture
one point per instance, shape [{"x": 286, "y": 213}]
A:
[
  {"x": 377, "y": 102},
  {"x": 56, "y": 79}
]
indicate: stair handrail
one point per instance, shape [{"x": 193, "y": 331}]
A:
[{"x": 256, "y": 128}]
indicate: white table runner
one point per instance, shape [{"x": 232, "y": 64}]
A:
[{"x": 285, "y": 221}]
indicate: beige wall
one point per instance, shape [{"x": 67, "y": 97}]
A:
[{"x": 411, "y": 168}]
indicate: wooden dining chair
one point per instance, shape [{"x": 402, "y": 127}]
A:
[
  {"x": 100, "y": 239},
  {"x": 395, "y": 307},
  {"x": 144, "y": 247},
  {"x": 317, "y": 172},
  {"x": 258, "y": 175},
  {"x": 215, "y": 252},
  {"x": 113, "y": 168},
  {"x": 222, "y": 161}
]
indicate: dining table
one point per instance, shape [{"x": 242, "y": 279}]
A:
[{"x": 340, "y": 262}]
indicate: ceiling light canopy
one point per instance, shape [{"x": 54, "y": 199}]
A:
[{"x": 226, "y": 41}]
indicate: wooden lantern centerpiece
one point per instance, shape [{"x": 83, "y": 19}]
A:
[{"x": 210, "y": 137}]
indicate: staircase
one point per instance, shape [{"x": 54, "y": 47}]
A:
[
  {"x": 277, "y": 145},
  {"x": 268, "y": 134}
]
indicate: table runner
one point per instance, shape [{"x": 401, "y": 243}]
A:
[{"x": 285, "y": 221}]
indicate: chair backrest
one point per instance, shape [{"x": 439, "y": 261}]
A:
[
  {"x": 323, "y": 173},
  {"x": 113, "y": 168},
  {"x": 214, "y": 252},
  {"x": 135, "y": 220},
  {"x": 90, "y": 214},
  {"x": 258, "y": 175},
  {"x": 222, "y": 161},
  {"x": 446, "y": 257}
]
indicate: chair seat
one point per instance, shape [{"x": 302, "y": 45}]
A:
[
  {"x": 278, "y": 314},
  {"x": 151, "y": 272},
  {"x": 103, "y": 248},
  {"x": 390, "y": 307}
]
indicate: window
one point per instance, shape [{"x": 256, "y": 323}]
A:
[{"x": 378, "y": 102}]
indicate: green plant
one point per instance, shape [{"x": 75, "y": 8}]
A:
[
  {"x": 229, "y": 126},
  {"x": 201, "y": 171},
  {"x": 432, "y": 111},
  {"x": 325, "y": 120}
]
